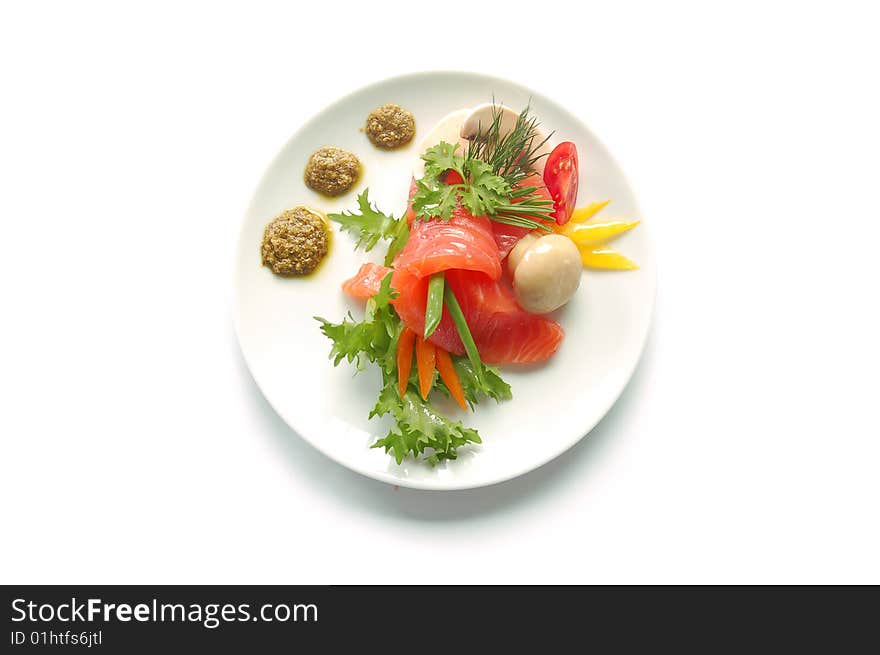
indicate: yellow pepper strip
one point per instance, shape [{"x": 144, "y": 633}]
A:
[
  {"x": 605, "y": 257},
  {"x": 582, "y": 214},
  {"x": 597, "y": 232}
]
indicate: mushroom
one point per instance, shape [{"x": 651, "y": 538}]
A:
[
  {"x": 482, "y": 116},
  {"x": 546, "y": 272},
  {"x": 517, "y": 252}
]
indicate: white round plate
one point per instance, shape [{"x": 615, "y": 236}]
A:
[{"x": 554, "y": 405}]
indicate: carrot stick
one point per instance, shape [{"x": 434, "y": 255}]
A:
[
  {"x": 450, "y": 378},
  {"x": 404, "y": 358},
  {"x": 425, "y": 358}
]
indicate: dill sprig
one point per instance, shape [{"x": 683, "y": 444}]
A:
[{"x": 513, "y": 155}]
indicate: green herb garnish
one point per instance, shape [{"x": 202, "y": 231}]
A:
[
  {"x": 482, "y": 192},
  {"x": 371, "y": 225},
  {"x": 514, "y": 155},
  {"x": 491, "y": 170},
  {"x": 434, "y": 306},
  {"x": 464, "y": 332}
]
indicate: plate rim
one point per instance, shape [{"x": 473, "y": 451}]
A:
[{"x": 438, "y": 484}]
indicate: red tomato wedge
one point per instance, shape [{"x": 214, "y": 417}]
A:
[
  {"x": 561, "y": 178},
  {"x": 452, "y": 177}
]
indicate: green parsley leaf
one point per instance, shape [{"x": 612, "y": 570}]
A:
[
  {"x": 479, "y": 201},
  {"x": 486, "y": 191},
  {"x": 433, "y": 199},
  {"x": 441, "y": 158},
  {"x": 481, "y": 175}
]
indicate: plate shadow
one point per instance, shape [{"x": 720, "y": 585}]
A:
[{"x": 354, "y": 489}]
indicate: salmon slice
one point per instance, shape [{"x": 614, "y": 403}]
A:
[
  {"x": 366, "y": 282},
  {"x": 503, "y": 332},
  {"x": 464, "y": 242},
  {"x": 506, "y": 237}
]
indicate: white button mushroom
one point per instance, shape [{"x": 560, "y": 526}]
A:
[
  {"x": 480, "y": 118},
  {"x": 516, "y": 254},
  {"x": 546, "y": 272}
]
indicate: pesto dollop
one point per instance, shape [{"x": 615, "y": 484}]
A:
[
  {"x": 295, "y": 242},
  {"x": 332, "y": 171},
  {"x": 390, "y": 126}
]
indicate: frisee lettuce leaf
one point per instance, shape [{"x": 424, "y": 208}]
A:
[
  {"x": 372, "y": 340},
  {"x": 475, "y": 387},
  {"x": 371, "y": 226},
  {"x": 420, "y": 430}
]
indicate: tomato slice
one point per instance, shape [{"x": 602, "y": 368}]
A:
[
  {"x": 452, "y": 177},
  {"x": 561, "y": 180}
]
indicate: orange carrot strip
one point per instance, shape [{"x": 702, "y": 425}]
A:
[
  {"x": 404, "y": 358},
  {"x": 450, "y": 378},
  {"x": 425, "y": 358}
]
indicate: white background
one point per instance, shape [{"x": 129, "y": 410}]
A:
[{"x": 136, "y": 447}]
